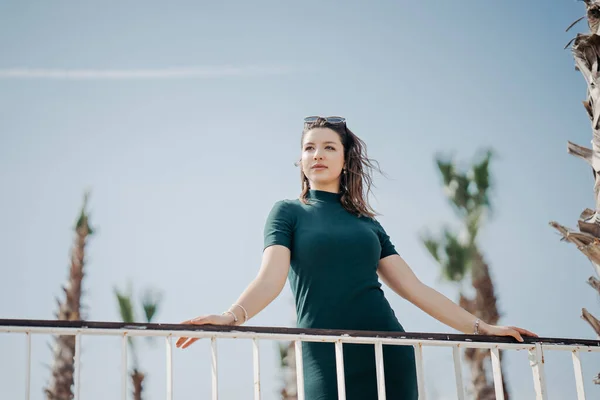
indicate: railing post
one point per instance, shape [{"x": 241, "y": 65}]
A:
[
  {"x": 169, "y": 343},
  {"x": 380, "y": 370},
  {"x": 299, "y": 369},
  {"x": 497, "y": 372},
  {"x": 256, "y": 359},
  {"x": 124, "y": 367},
  {"x": 536, "y": 361},
  {"x": 28, "y": 367},
  {"x": 339, "y": 364},
  {"x": 578, "y": 375},
  {"x": 460, "y": 390},
  {"x": 77, "y": 366},
  {"x": 420, "y": 374},
  {"x": 215, "y": 376}
]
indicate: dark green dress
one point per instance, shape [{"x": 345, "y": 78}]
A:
[{"x": 334, "y": 258}]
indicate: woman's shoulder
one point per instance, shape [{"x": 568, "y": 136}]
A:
[
  {"x": 287, "y": 205},
  {"x": 288, "y": 201},
  {"x": 369, "y": 219},
  {"x": 372, "y": 221}
]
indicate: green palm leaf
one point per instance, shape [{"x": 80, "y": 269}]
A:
[
  {"x": 446, "y": 169},
  {"x": 457, "y": 255},
  {"x": 481, "y": 179},
  {"x": 126, "y": 312},
  {"x": 150, "y": 302},
  {"x": 452, "y": 256},
  {"x": 432, "y": 245},
  {"x": 125, "y": 306}
]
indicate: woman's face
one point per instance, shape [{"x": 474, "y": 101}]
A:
[{"x": 322, "y": 158}]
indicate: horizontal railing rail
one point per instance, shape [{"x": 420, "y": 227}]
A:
[{"x": 535, "y": 347}]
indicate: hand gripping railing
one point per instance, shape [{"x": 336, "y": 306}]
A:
[{"x": 535, "y": 347}]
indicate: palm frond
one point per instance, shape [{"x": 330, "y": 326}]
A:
[
  {"x": 574, "y": 23},
  {"x": 446, "y": 169},
  {"x": 150, "y": 302},
  {"x": 458, "y": 258},
  {"x": 432, "y": 245},
  {"x": 452, "y": 256},
  {"x": 83, "y": 219},
  {"x": 457, "y": 186},
  {"x": 126, "y": 311},
  {"x": 482, "y": 181},
  {"x": 125, "y": 306},
  {"x": 462, "y": 195}
]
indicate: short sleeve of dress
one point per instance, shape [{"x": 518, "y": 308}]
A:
[
  {"x": 279, "y": 226},
  {"x": 387, "y": 247}
]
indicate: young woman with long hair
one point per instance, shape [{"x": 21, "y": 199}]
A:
[{"x": 335, "y": 252}]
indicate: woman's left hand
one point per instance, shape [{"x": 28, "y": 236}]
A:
[{"x": 496, "y": 330}]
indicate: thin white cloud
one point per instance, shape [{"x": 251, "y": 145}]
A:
[{"x": 163, "y": 73}]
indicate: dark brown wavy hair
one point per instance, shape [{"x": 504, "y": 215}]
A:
[{"x": 356, "y": 183}]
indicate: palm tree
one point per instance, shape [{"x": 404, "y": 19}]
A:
[
  {"x": 460, "y": 257},
  {"x": 150, "y": 303},
  {"x": 69, "y": 309},
  {"x": 586, "y": 51}
]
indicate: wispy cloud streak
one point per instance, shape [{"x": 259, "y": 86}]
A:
[{"x": 163, "y": 73}]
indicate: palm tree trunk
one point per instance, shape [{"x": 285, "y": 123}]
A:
[
  {"x": 586, "y": 52},
  {"x": 476, "y": 357},
  {"x": 486, "y": 309},
  {"x": 69, "y": 310},
  {"x": 484, "y": 306},
  {"x": 137, "y": 378}
]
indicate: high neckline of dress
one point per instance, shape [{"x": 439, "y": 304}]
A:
[{"x": 326, "y": 197}]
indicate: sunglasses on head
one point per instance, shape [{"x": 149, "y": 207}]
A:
[{"x": 331, "y": 120}]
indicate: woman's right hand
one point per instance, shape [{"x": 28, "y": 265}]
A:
[{"x": 185, "y": 342}]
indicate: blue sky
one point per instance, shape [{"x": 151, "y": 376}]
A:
[{"x": 184, "y": 169}]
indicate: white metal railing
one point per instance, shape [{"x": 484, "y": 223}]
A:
[{"x": 535, "y": 347}]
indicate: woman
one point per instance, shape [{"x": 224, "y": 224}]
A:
[{"x": 333, "y": 250}]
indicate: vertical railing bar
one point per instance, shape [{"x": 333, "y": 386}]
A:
[
  {"x": 77, "y": 365},
  {"x": 420, "y": 373},
  {"x": 460, "y": 390},
  {"x": 299, "y": 369},
  {"x": 169, "y": 345},
  {"x": 124, "y": 373},
  {"x": 536, "y": 361},
  {"x": 380, "y": 371},
  {"x": 28, "y": 367},
  {"x": 339, "y": 366},
  {"x": 497, "y": 373},
  {"x": 256, "y": 358},
  {"x": 215, "y": 377},
  {"x": 578, "y": 375}
]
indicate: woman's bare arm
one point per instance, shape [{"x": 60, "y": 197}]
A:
[
  {"x": 396, "y": 274},
  {"x": 267, "y": 285}
]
